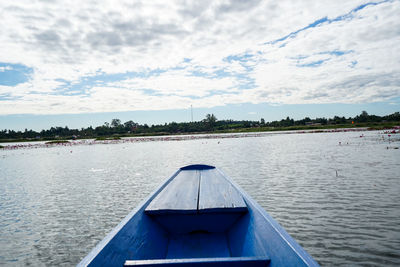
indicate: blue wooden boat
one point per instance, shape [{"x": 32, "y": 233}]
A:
[{"x": 198, "y": 217}]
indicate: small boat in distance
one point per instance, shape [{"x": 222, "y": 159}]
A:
[{"x": 198, "y": 217}]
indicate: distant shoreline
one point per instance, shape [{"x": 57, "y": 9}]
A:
[
  {"x": 181, "y": 137},
  {"x": 305, "y": 128},
  {"x": 210, "y": 125}
]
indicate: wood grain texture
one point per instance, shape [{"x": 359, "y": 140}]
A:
[
  {"x": 218, "y": 195},
  {"x": 179, "y": 196}
]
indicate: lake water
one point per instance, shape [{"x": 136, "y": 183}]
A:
[{"x": 341, "y": 202}]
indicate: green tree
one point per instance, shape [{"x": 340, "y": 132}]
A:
[
  {"x": 115, "y": 122},
  {"x": 363, "y": 117},
  {"x": 130, "y": 125},
  {"x": 210, "y": 120}
]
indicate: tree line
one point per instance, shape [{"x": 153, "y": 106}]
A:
[{"x": 209, "y": 124}]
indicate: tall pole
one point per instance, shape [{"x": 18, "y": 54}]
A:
[{"x": 191, "y": 111}]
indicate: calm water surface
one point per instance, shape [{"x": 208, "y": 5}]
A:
[{"x": 340, "y": 202}]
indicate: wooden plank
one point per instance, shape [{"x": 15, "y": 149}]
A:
[
  {"x": 225, "y": 261},
  {"x": 212, "y": 222},
  {"x": 179, "y": 196},
  {"x": 217, "y": 194}
]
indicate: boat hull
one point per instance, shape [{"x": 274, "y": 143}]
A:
[{"x": 229, "y": 231}]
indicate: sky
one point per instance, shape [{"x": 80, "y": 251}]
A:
[{"x": 81, "y": 63}]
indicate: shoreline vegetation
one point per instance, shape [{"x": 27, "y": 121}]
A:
[
  {"x": 57, "y": 142},
  {"x": 103, "y": 138},
  {"x": 210, "y": 125}
]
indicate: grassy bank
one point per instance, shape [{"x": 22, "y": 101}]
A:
[
  {"x": 57, "y": 142},
  {"x": 369, "y": 126},
  {"x": 102, "y": 138}
]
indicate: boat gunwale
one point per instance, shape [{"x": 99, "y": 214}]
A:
[
  {"x": 299, "y": 250},
  {"x": 295, "y": 247},
  {"x": 104, "y": 242}
]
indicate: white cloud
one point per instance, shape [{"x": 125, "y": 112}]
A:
[
  {"x": 3, "y": 69},
  {"x": 66, "y": 41}
]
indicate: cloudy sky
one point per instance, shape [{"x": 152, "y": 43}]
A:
[{"x": 84, "y": 62}]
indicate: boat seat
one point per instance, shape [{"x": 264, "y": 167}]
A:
[
  {"x": 226, "y": 261},
  {"x": 197, "y": 191},
  {"x": 195, "y": 200}
]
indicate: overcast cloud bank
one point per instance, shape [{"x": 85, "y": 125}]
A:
[{"x": 84, "y": 56}]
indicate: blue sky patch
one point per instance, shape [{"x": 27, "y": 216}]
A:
[
  {"x": 241, "y": 58},
  {"x": 311, "y": 64},
  {"x": 323, "y": 20},
  {"x": 337, "y": 52},
  {"x": 14, "y": 74},
  {"x": 100, "y": 79},
  {"x": 220, "y": 73}
]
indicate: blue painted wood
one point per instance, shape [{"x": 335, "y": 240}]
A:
[
  {"x": 209, "y": 262},
  {"x": 186, "y": 223},
  {"x": 137, "y": 236},
  {"x": 179, "y": 196},
  {"x": 175, "y": 207},
  {"x": 197, "y": 167},
  {"x": 147, "y": 241},
  {"x": 257, "y": 233},
  {"x": 217, "y": 194},
  {"x": 198, "y": 245}
]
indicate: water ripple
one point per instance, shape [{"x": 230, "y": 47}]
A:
[{"x": 340, "y": 201}]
